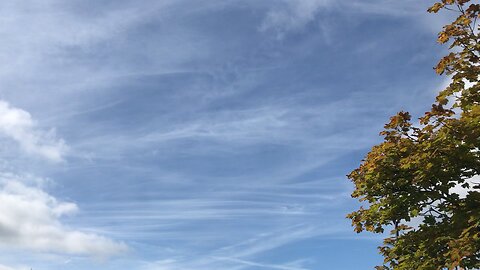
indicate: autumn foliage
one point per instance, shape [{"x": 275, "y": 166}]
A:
[{"x": 409, "y": 183}]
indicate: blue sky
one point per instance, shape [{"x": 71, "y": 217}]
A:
[{"x": 199, "y": 135}]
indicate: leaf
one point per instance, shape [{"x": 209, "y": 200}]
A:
[{"x": 436, "y": 7}]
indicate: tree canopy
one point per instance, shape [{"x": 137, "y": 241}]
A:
[{"x": 409, "y": 183}]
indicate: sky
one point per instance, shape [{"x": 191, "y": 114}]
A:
[{"x": 199, "y": 135}]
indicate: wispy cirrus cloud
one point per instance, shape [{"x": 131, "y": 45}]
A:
[
  {"x": 243, "y": 255},
  {"x": 247, "y": 263},
  {"x": 293, "y": 16}
]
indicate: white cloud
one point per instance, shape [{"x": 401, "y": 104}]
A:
[
  {"x": 18, "y": 125},
  {"x": 463, "y": 192},
  {"x": 30, "y": 219}
]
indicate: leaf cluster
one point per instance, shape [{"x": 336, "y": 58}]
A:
[{"x": 407, "y": 183}]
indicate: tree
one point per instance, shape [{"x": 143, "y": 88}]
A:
[{"x": 407, "y": 183}]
